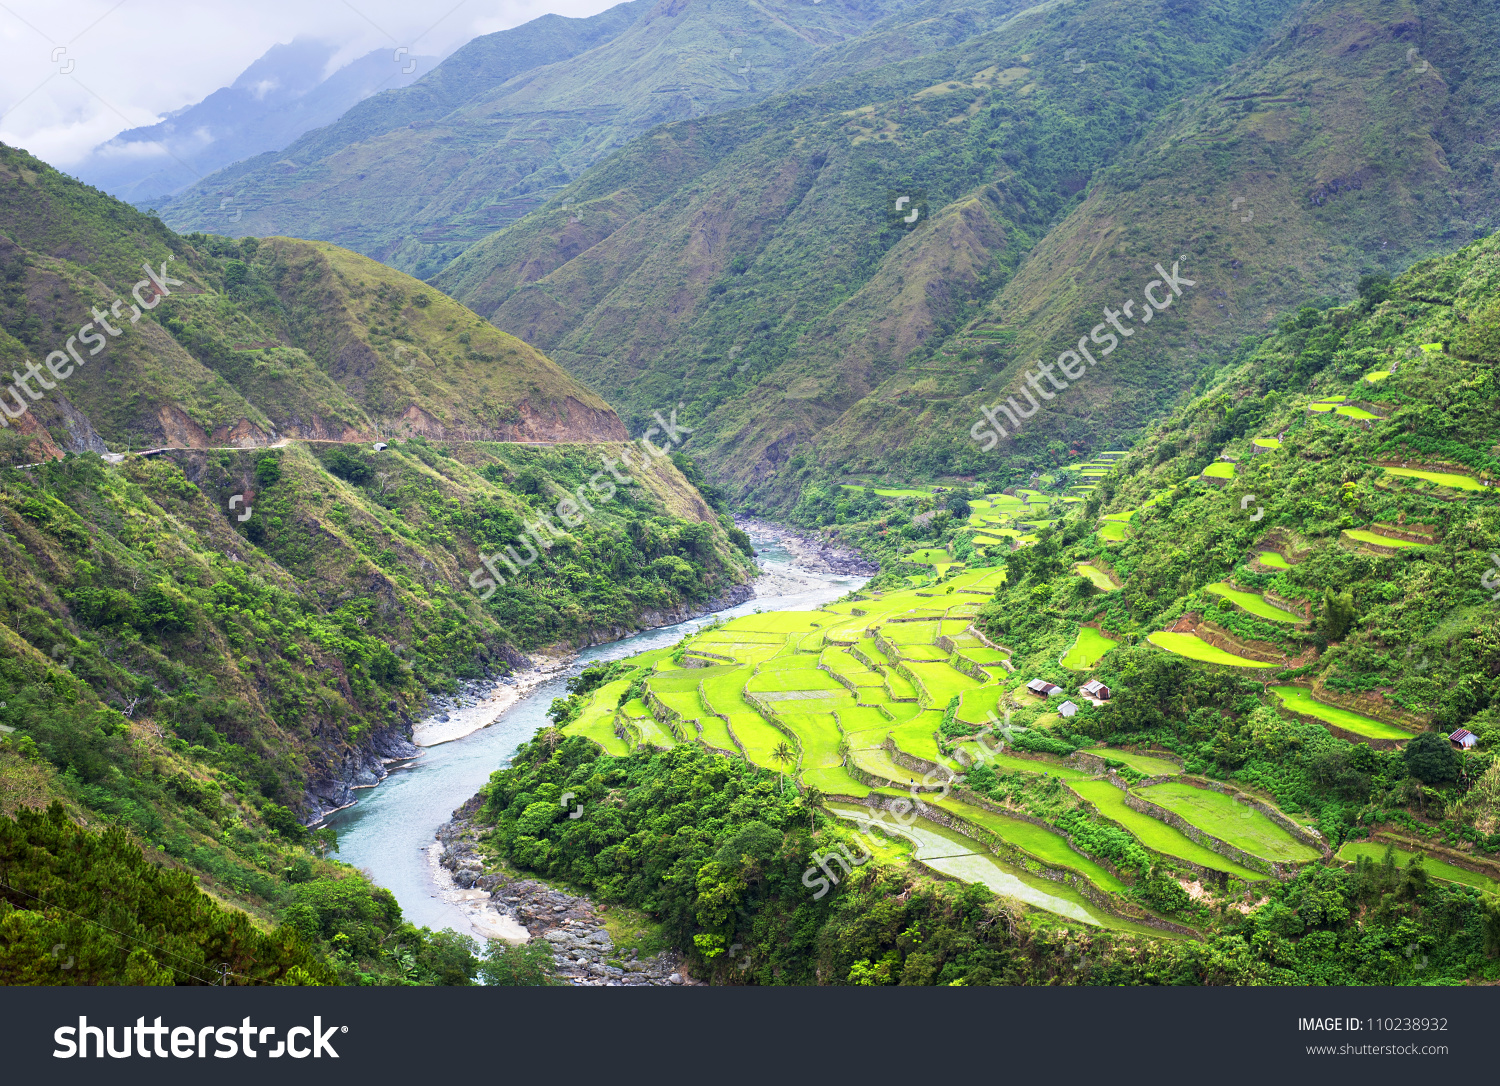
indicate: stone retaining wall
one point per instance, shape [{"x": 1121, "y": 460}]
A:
[
  {"x": 1477, "y": 864},
  {"x": 1310, "y": 838},
  {"x": 1020, "y": 858},
  {"x": 1368, "y": 705},
  {"x": 1219, "y": 637}
]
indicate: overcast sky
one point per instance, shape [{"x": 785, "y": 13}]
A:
[{"x": 76, "y": 72}]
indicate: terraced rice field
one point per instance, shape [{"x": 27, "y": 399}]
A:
[
  {"x": 910, "y": 633},
  {"x": 1141, "y": 763},
  {"x": 925, "y": 653},
  {"x": 1114, "y": 531},
  {"x": 1195, "y": 649},
  {"x": 877, "y": 762},
  {"x": 758, "y": 739},
  {"x": 1050, "y": 848},
  {"x": 1438, "y": 869},
  {"x": 1362, "y": 535},
  {"x": 899, "y": 687},
  {"x": 792, "y": 679},
  {"x": 1273, "y": 559},
  {"x": 597, "y": 721},
  {"x": 1219, "y": 469},
  {"x": 820, "y": 737},
  {"x": 1153, "y": 834},
  {"x": 931, "y": 556},
  {"x": 1097, "y": 576},
  {"x": 1237, "y": 824},
  {"x": 1253, "y": 602},
  {"x": 1087, "y": 650},
  {"x": 961, "y": 857},
  {"x": 940, "y": 681},
  {"x": 1299, "y": 700}
]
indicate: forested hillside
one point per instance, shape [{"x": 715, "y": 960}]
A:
[
  {"x": 224, "y": 601},
  {"x": 1253, "y": 634},
  {"x": 513, "y": 117},
  {"x": 749, "y": 264}
]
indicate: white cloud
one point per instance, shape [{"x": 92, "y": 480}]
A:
[{"x": 79, "y": 71}]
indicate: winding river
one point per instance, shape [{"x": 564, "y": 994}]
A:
[{"x": 389, "y": 830}]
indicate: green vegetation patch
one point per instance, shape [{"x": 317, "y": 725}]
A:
[
  {"x": 1442, "y": 478},
  {"x": 1088, "y": 649},
  {"x": 1237, "y": 824},
  {"x": 1438, "y": 869},
  {"x": 1154, "y": 834},
  {"x": 1099, "y": 578},
  {"x": 1194, "y": 648},
  {"x": 1253, "y": 602},
  {"x": 1300, "y": 700},
  {"x": 1047, "y": 846}
]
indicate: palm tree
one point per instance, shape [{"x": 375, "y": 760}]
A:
[
  {"x": 814, "y": 800},
  {"x": 785, "y": 755}
]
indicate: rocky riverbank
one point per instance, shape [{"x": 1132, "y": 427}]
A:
[
  {"x": 810, "y": 553},
  {"x": 520, "y": 909}
]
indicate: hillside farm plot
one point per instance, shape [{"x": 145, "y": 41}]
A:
[
  {"x": 863, "y": 718},
  {"x": 915, "y": 737},
  {"x": 910, "y": 633},
  {"x": 1113, "y": 531},
  {"x": 835, "y": 782},
  {"x": 597, "y": 721},
  {"x": 899, "y": 688},
  {"x": 1099, "y": 578},
  {"x": 1375, "y": 851},
  {"x": 840, "y": 662},
  {"x": 1362, "y": 535},
  {"x": 714, "y": 732},
  {"x": 740, "y": 652},
  {"x": 1051, "y": 848},
  {"x": 788, "y": 662},
  {"x": 1441, "y": 478},
  {"x": 1235, "y": 823},
  {"x": 1015, "y": 764},
  {"x": 1273, "y": 559},
  {"x": 1219, "y": 469},
  {"x": 926, "y": 653},
  {"x": 1299, "y": 700},
  {"x": 940, "y": 681},
  {"x": 983, "y": 655},
  {"x": 1141, "y": 763},
  {"x": 877, "y": 762},
  {"x": 1193, "y": 648},
  {"x": 1256, "y": 604},
  {"x": 782, "y": 622},
  {"x": 793, "y": 679},
  {"x": 978, "y": 706},
  {"x": 759, "y": 739},
  {"x": 1156, "y": 835},
  {"x": 1087, "y": 650},
  {"x": 723, "y": 691},
  {"x": 820, "y": 738}
]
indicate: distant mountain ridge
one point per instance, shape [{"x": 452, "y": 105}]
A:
[
  {"x": 247, "y": 343},
  {"x": 749, "y": 265},
  {"x": 272, "y": 102},
  {"x": 415, "y": 177}
]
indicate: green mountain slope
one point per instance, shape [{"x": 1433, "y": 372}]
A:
[
  {"x": 512, "y": 118},
  {"x": 210, "y": 639},
  {"x": 1097, "y": 141},
  {"x": 254, "y": 342},
  {"x": 1374, "y": 526}
]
